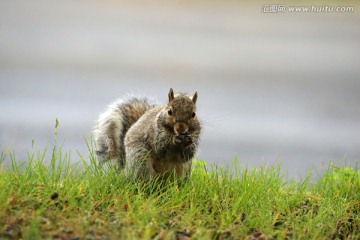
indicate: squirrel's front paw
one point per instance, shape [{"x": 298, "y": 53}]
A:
[{"x": 183, "y": 139}]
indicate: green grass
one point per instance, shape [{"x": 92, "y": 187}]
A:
[{"x": 53, "y": 198}]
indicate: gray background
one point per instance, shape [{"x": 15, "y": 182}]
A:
[{"x": 273, "y": 87}]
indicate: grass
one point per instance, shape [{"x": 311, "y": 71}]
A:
[{"x": 55, "y": 199}]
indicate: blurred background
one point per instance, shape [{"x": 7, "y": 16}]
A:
[{"x": 279, "y": 87}]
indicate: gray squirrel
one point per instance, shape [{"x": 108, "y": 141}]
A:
[{"x": 149, "y": 140}]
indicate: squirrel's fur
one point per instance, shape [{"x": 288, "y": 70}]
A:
[{"x": 149, "y": 140}]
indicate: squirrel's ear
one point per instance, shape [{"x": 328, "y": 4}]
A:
[
  {"x": 194, "y": 98},
  {"x": 171, "y": 95}
]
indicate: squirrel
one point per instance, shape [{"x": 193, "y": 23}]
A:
[{"x": 147, "y": 140}]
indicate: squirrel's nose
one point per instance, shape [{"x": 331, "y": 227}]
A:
[{"x": 181, "y": 128}]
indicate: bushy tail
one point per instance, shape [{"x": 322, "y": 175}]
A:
[{"x": 113, "y": 125}]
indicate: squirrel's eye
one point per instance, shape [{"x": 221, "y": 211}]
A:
[
  {"x": 193, "y": 114},
  {"x": 170, "y": 112}
]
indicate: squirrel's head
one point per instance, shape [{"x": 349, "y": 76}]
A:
[{"x": 180, "y": 116}]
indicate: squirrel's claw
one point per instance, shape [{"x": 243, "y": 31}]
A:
[{"x": 178, "y": 139}]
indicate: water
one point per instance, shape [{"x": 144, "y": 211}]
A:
[{"x": 273, "y": 88}]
